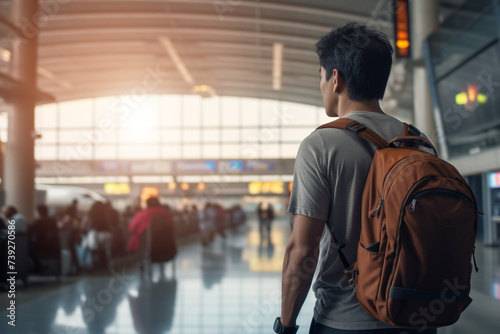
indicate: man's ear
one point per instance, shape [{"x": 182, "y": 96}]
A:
[{"x": 337, "y": 82}]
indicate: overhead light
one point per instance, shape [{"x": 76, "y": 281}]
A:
[
  {"x": 204, "y": 90},
  {"x": 172, "y": 52},
  {"x": 277, "y": 65}
]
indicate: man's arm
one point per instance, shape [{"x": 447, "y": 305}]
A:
[{"x": 299, "y": 264}]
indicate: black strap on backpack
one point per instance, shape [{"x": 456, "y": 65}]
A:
[
  {"x": 339, "y": 245},
  {"x": 349, "y": 270}
]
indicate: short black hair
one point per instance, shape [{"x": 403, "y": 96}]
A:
[{"x": 362, "y": 56}]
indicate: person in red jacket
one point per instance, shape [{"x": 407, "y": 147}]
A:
[
  {"x": 160, "y": 241},
  {"x": 142, "y": 220}
]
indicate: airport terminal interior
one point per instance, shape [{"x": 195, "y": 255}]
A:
[{"x": 107, "y": 105}]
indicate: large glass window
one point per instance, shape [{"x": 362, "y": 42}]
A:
[
  {"x": 230, "y": 112},
  {"x": 171, "y": 127},
  {"x": 106, "y": 152},
  {"x": 46, "y": 116},
  {"x": 46, "y": 152},
  {"x": 171, "y": 110},
  {"x": 210, "y": 112},
  {"x": 249, "y": 112},
  {"x": 74, "y": 114},
  {"x": 191, "y": 111}
]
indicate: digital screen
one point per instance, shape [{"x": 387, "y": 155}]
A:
[
  {"x": 469, "y": 103},
  {"x": 494, "y": 179}
]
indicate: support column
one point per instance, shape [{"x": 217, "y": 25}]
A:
[
  {"x": 19, "y": 157},
  {"x": 424, "y": 15}
]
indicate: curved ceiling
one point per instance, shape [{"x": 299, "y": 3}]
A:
[{"x": 90, "y": 48}]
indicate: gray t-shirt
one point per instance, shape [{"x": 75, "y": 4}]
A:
[{"x": 330, "y": 173}]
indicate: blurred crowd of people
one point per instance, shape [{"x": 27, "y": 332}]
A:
[{"x": 91, "y": 240}]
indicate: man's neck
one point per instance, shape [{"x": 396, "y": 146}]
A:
[{"x": 346, "y": 106}]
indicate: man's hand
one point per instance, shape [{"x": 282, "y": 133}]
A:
[{"x": 299, "y": 264}]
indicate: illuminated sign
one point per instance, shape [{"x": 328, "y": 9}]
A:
[
  {"x": 256, "y": 188},
  {"x": 494, "y": 180},
  {"x": 232, "y": 166},
  {"x": 471, "y": 97},
  {"x": 117, "y": 188},
  {"x": 402, "y": 28},
  {"x": 195, "y": 166}
]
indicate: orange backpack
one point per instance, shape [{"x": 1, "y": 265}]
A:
[{"x": 418, "y": 228}]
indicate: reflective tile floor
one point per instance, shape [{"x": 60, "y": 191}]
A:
[{"x": 233, "y": 286}]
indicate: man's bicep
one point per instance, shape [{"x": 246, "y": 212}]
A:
[{"x": 306, "y": 231}]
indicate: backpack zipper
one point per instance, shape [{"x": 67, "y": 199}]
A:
[
  {"x": 425, "y": 193},
  {"x": 401, "y": 163},
  {"x": 377, "y": 209},
  {"x": 401, "y": 215}
]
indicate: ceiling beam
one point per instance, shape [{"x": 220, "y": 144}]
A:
[
  {"x": 155, "y": 32},
  {"x": 90, "y": 18},
  {"x": 321, "y": 12}
]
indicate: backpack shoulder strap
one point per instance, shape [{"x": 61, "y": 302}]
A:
[
  {"x": 360, "y": 129},
  {"x": 410, "y": 130}
]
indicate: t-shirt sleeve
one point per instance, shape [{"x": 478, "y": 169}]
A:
[{"x": 311, "y": 194}]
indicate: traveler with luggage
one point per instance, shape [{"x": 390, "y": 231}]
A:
[
  {"x": 390, "y": 204},
  {"x": 153, "y": 234}
]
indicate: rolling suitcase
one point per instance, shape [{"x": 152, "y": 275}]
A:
[{"x": 162, "y": 239}]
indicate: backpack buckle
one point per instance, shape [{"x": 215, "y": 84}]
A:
[
  {"x": 355, "y": 127},
  {"x": 351, "y": 276}
]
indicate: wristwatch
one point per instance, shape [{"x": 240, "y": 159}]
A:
[{"x": 280, "y": 329}]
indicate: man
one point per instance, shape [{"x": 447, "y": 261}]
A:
[
  {"x": 10, "y": 212},
  {"x": 330, "y": 172}
]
